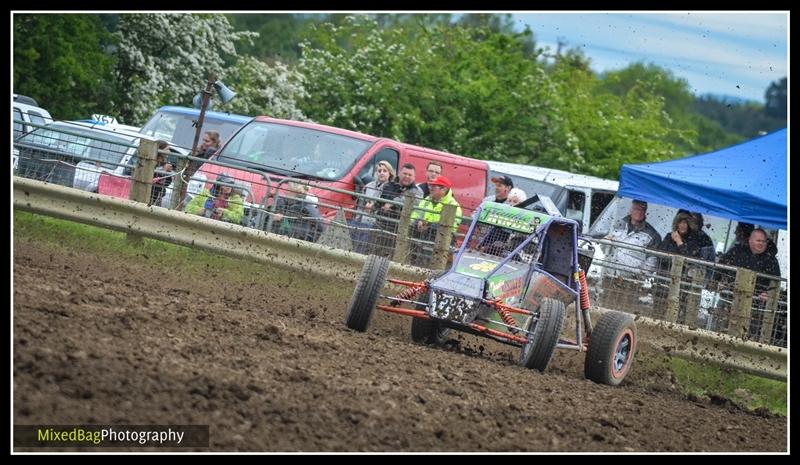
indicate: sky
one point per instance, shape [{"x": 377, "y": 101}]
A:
[{"x": 733, "y": 54}]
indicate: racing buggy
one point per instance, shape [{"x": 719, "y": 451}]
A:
[{"x": 515, "y": 276}]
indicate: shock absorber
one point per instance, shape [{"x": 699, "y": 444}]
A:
[
  {"x": 585, "y": 304},
  {"x": 409, "y": 293},
  {"x": 505, "y": 315}
]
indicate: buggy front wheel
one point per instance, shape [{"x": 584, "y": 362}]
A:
[
  {"x": 544, "y": 333},
  {"x": 365, "y": 296},
  {"x": 611, "y": 349}
]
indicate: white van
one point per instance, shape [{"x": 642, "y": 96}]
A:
[
  {"x": 581, "y": 197},
  {"x": 25, "y": 113}
]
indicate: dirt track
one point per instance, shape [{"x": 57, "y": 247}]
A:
[{"x": 270, "y": 366}]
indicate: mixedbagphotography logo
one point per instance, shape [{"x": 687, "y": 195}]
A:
[{"x": 111, "y": 436}]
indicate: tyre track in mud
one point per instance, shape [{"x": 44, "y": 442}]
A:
[{"x": 270, "y": 366}]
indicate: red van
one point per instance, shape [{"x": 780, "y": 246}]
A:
[{"x": 330, "y": 157}]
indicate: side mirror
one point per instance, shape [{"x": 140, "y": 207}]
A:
[{"x": 358, "y": 183}]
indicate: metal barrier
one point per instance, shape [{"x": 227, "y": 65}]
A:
[{"x": 698, "y": 293}]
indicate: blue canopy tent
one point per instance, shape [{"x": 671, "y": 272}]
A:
[{"x": 744, "y": 182}]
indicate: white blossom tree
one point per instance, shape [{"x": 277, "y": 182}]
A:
[
  {"x": 165, "y": 59},
  {"x": 265, "y": 90}
]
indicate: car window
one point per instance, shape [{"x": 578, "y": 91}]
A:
[
  {"x": 108, "y": 152},
  {"x": 36, "y": 117},
  {"x": 180, "y": 129},
  {"x": 17, "y": 122}
]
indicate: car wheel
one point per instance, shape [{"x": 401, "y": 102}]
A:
[
  {"x": 365, "y": 296},
  {"x": 611, "y": 349},
  {"x": 544, "y": 332}
]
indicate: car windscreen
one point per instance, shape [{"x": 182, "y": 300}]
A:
[
  {"x": 720, "y": 230},
  {"x": 293, "y": 150},
  {"x": 179, "y": 130},
  {"x": 100, "y": 146}
]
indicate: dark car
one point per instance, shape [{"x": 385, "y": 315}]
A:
[{"x": 51, "y": 153}]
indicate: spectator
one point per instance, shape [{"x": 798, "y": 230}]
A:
[
  {"x": 295, "y": 216},
  {"x": 209, "y": 145},
  {"x": 425, "y": 219},
  {"x": 433, "y": 171},
  {"x": 502, "y": 188},
  {"x": 384, "y": 174},
  {"x": 221, "y": 203},
  {"x": 162, "y": 176},
  {"x": 389, "y": 213},
  {"x": 683, "y": 240},
  {"x": 516, "y": 195},
  {"x": 634, "y": 230},
  {"x": 759, "y": 257},
  {"x": 742, "y": 234},
  {"x": 707, "y": 251}
]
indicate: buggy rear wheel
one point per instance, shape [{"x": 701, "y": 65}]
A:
[
  {"x": 611, "y": 349},
  {"x": 365, "y": 296},
  {"x": 428, "y": 331},
  {"x": 545, "y": 330}
]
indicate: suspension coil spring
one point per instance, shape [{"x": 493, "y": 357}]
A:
[
  {"x": 505, "y": 315},
  {"x": 412, "y": 292},
  {"x": 585, "y": 304}
]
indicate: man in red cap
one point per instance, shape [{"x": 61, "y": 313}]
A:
[{"x": 425, "y": 217}]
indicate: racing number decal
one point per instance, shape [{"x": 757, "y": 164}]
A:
[{"x": 483, "y": 266}]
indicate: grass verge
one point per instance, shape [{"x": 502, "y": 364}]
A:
[{"x": 68, "y": 236}]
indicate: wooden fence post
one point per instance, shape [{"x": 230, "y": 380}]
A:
[
  {"x": 402, "y": 243},
  {"x": 444, "y": 236},
  {"x": 693, "y": 299},
  {"x": 142, "y": 179},
  {"x": 673, "y": 298},
  {"x": 770, "y": 312},
  {"x": 742, "y": 302}
]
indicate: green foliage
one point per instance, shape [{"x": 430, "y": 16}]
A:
[
  {"x": 465, "y": 90},
  {"x": 63, "y": 62},
  {"x": 609, "y": 129},
  {"x": 738, "y": 120},
  {"x": 468, "y": 84},
  {"x": 279, "y": 35},
  {"x": 777, "y": 100}
]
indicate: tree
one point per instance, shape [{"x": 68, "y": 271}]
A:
[
  {"x": 265, "y": 90},
  {"x": 608, "y": 130},
  {"x": 165, "y": 59},
  {"x": 776, "y": 98},
  {"x": 279, "y": 35},
  {"x": 63, "y": 61},
  {"x": 465, "y": 90}
]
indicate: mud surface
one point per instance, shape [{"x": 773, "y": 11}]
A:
[{"x": 270, "y": 366}]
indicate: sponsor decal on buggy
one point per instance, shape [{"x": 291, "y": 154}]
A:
[
  {"x": 507, "y": 290},
  {"x": 483, "y": 266},
  {"x": 504, "y": 216},
  {"x": 453, "y": 307}
]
